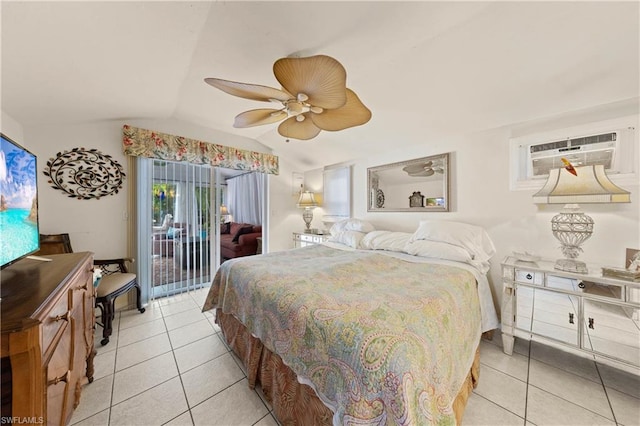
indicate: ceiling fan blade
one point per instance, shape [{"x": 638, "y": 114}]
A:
[
  {"x": 353, "y": 113},
  {"x": 254, "y": 92},
  {"x": 304, "y": 130},
  {"x": 258, "y": 117},
  {"x": 321, "y": 78}
]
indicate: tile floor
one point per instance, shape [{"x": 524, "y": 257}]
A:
[{"x": 169, "y": 366}]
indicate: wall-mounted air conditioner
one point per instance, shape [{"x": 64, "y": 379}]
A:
[
  {"x": 613, "y": 143},
  {"x": 580, "y": 151}
]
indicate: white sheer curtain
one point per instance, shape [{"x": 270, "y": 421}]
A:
[
  {"x": 186, "y": 206},
  {"x": 245, "y": 197}
]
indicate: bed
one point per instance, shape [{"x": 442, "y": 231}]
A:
[{"x": 357, "y": 332}]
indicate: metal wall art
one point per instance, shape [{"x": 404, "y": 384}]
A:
[{"x": 85, "y": 173}]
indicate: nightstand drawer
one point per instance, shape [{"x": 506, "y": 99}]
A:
[{"x": 529, "y": 277}]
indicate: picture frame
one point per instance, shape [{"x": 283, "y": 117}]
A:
[{"x": 632, "y": 259}]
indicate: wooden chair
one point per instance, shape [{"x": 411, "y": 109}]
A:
[
  {"x": 115, "y": 281},
  {"x": 54, "y": 244}
]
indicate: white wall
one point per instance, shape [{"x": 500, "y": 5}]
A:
[
  {"x": 12, "y": 129},
  {"x": 479, "y": 191}
]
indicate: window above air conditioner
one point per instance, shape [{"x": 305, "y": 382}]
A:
[{"x": 613, "y": 143}]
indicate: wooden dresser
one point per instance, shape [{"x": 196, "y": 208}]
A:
[{"x": 47, "y": 337}]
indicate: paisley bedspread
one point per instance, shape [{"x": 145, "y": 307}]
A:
[{"x": 380, "y": 339}]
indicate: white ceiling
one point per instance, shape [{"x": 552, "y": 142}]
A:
[{"x": 423, "y": 68}]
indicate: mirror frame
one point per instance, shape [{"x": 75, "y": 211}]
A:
[{"x": 372, "y": 186}]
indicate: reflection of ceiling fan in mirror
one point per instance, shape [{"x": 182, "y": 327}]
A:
[
  {"x": 314, "y": 97},
  {"x": 428, "y": 168}
]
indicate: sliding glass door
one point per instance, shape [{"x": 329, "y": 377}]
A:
[
  {"x": 178, "y": 217},
  {"x": 177, "y": 242}
]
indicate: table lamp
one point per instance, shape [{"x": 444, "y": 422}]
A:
[
  {"x": 307, "y": 202},
  {"x": 570, "y": 186}
]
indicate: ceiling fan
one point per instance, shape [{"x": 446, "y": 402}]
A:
[
  {"x": 427, "y": 168},
  {"x": 314, "y": 97}
]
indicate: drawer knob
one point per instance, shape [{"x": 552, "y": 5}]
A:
[
  {"x": 591, "y": 323},
  {"x": 581, "y": 284},
  {"x": 65, "y": 317},
  {"x": 571, "y": 318},
  {"x": 529, "y": 276},
  {"x": 64, "y": 378}
]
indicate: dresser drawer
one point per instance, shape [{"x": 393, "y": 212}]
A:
[{"x": 56, "y": 319}]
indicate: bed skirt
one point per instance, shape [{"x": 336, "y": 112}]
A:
[{"x": 295, "y": 403}]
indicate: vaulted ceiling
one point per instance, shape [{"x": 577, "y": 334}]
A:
[{"x": 424, "y": 69}]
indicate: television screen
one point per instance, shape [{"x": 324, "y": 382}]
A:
[{"x": 19, "y": 235}]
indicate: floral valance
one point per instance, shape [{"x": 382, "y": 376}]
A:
[{"x": 151, "y": 144}]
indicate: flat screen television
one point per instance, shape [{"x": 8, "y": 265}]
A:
[{"x": 19, "y": 234}]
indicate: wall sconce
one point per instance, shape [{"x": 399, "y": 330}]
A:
[
  {"x": 307, "y": 202},
  {"x": 572, "y": 227}
]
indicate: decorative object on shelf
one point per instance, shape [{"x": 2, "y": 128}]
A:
[
  {"x": 379, "y": 198},
  {"x": 314, "y": 97},
  {"x": 85, "y": 173},
  {"x": 224, "y": 213},
  {"x": 526, "y": 257},
  {"x": 572, "y": 227},
  {"x": 621, "y": 273},
  {"x": 416, "y": 199},
  {"x": 428, "y": 175},
  {"x": 307, "y": 202}
]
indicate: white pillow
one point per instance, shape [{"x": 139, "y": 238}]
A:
[
  {"x": 472, "y": 238},
  {"x": 437, "y": 250},
  {"x": 348, "y": 238},
  {"x": 385, "y": 240},
  {"x": 351, "y": 225}
]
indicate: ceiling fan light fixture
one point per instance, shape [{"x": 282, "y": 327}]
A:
[{"x": 321, "y": 95}]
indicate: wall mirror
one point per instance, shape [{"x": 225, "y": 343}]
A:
[{"x": 409, "y": 186}]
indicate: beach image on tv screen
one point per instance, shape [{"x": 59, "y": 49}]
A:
[{"x": 18, "y": 202}]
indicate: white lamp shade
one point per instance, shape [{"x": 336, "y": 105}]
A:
[
  {"x": 591, "y": 185},
  {"x": 306, "y": 200}
]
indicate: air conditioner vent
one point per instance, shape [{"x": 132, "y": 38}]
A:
[{"x": 567, "y": 144}]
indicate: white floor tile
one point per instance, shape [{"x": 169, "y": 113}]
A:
[
  {"x": 222, "y": 409},
  {"x": 175, "y": 308},
  {"x": 199, "y": 352},
  {"x": 515, "y": 365},
  {"x": 100, "y": 419},
  {"x": 625, "y": 407},
  {"x": 104, "y": 364},
  {"x": 134, "y": 380},
  {"x": 267, "y": 420},
  {"x": 543, "y": 408},
  {"x": 156, "y": 406},
  {"x": 133, "y": 317},
  {"x": 190, "y": 333},
  {"x": 210, "y": 378},
  {"x": 620, "y": 380},
  {"x": 503, "y": 389},
  {"x": 182, "y": 420},
  {"x": 565, "y": 361},
  {"x": 573, "y": 388},
  {"x": 140, "y": 332},
  {"x": 483, "y": 412},
  {"x": 183, "y": 318},
  {"x": 143, "y": 350},
  {"x": 95, "y": 398}
]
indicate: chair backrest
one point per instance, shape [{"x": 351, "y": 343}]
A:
[{"x": 54, "y": 244}]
